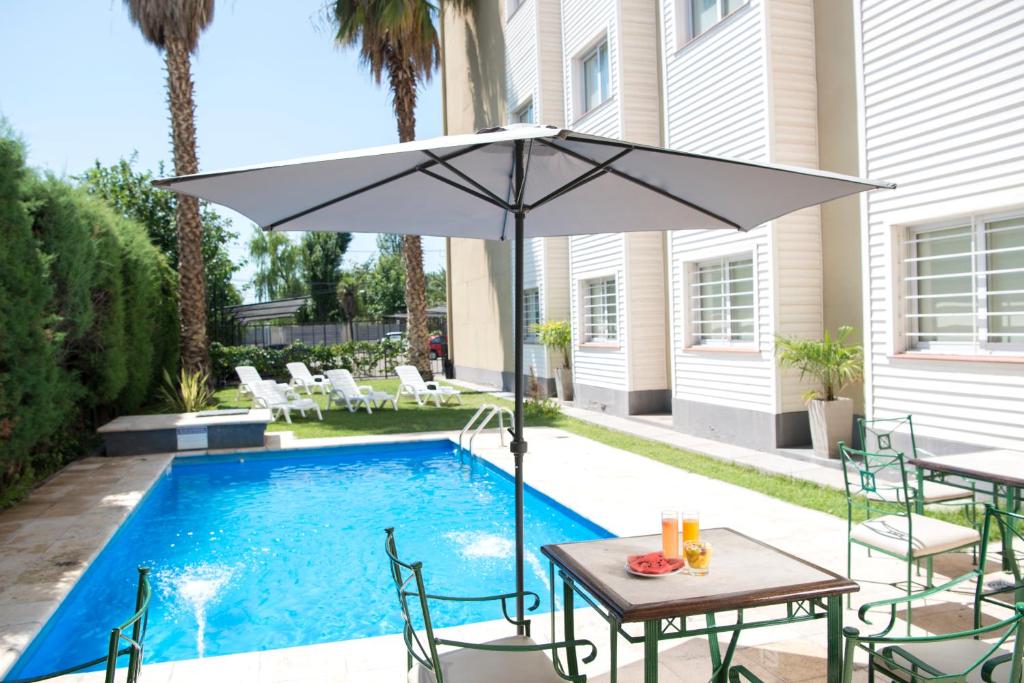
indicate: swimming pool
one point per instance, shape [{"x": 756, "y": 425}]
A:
[{"x": 270, "y": 550}]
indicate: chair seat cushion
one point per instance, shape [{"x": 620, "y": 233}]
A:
[
  {"x": 950, "y": 657},
  {"x": 934, "y": 492},
  {"x": 931, "y": 536},
  {"x": 466, "y": 665}
]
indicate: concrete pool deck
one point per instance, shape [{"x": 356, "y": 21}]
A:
[{"x": 50, "y": 538}]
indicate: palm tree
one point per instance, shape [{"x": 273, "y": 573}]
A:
[
  {"x": 173, "y": 26},
  {"x": 398, "y": 38}
]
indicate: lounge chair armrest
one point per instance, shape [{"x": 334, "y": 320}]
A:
[
  {"x": 891, "y": 603},
  {"x": 292, "y": 394},
  {"x": 365, "y": 389},
  {"x": 432, "y": 385},
  {"x": 535, "y": 647}
]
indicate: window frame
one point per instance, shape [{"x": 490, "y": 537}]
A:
[
  {"x": 584, "y": 56},
  {"x": 684, "y": 10},
  {"x": 511, "y": 7},
  {"x": 693, "y": 339},
  {"x": 515, "y": 116},
  {"x": 530, "y": 326},
  {"x": 585, "y": 339},
  {"x": 906, "y": 271}
]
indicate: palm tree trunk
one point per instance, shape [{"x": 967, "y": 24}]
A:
[
  {"x": 403, "y": 91},
  {"x": 191, "y": 278}
]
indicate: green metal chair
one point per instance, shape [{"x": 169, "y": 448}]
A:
[
  {"x": 891, "y": 526},
  {"x": 881, "y": 435},
  {"x": 1009, "y": 525},
  {"x": 517, "y": 659},
  {"x": 133, "y": 648}
]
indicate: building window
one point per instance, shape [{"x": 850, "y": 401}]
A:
[
  {"x": 706, "y": 13},
  {"x": 531, "y": 313},
  {"x": 523, "y": 114},
  {"x": 512, "y": 7},
  {"x": 722, "y": 301},
  {"x": 964, "y": 286},
  {"x": 600, "y": 311},
  {"x": 594, "y": 77}
]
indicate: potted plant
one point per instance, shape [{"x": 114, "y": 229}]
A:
[
  {"x": 557, "y": 335},
  {"x": 834, "y": 365}
]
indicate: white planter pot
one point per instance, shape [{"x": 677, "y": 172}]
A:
[
  {"x": 831, "y": 422},
  {"x": 563, "y": 383}
]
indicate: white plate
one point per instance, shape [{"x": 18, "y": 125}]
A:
[{"x": 653, "y": 576}]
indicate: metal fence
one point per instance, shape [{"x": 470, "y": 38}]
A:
[{"x": 312, "y": 333}]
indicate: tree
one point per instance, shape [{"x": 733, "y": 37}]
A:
[
  {"x": 378, "y": 286},
  {"x": 399, "y": 38},
  {"x": 437, "y": 288},
  {"x": 173, "y": 26},
  {"x": 130, "y": 192},
  {"x": 389, "y": 244},
  {"x": 278, "y": 263},
  {"x": 322, "y": 253}
]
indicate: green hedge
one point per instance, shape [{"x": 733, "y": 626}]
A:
[
  {"x": 88, "y": 317},
  {"x": 362, "y": 358}
]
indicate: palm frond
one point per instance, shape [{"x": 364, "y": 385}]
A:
[
  {"x": 830, "y": 362},
  {"x": 161, "y": 21}
]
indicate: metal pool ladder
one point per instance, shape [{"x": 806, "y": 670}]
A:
[{"x": 478, "y": 423}]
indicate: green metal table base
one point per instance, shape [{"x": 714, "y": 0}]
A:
[{"x": 658, "y": 630}]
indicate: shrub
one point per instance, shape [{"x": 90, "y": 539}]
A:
[
  {"x": 830, "y": 362},
  {"x": 541, "y": 407},
  {"x": 190, "y": 392},
  {"x": 556, "y": 334}
]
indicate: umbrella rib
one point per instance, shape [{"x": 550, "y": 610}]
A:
[
  {"x": 579, "y": 181},
  {"x": 371, "y": 186},
  {"x": 494, "y": 199},
  {"x": 646, "y": 185},
  {"x": 478, "y": 195}
]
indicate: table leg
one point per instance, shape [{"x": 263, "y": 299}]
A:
[
  {"x": 919, "y": 498},
  {"x": 613, "y": 651},
  {"x": 716, "y": 652},
  {"x": 652, "y": 630},
  {"x": 835, "y": 638},
  {"x": 570, "y": 627}
]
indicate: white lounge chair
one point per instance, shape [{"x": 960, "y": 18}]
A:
[
  {"x": 345, "y": 390},
  {"x": 413, "y": 385},
  {"x": 282, "y": 402},
  {"x": 248, "y": 376},
  {"x": 302, "y": 378}
]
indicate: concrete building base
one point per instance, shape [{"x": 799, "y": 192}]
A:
[
  {"x": 616, "y": 402},
  {"x": 748, "y": 428},
  {"x": 501, "y": 379}
]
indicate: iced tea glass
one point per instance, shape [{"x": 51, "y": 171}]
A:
[{"x": 670, "y": 534}]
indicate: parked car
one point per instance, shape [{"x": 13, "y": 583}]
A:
[
  {"x": 438, "y": 347},
  {"x": 393, "y": 337}
]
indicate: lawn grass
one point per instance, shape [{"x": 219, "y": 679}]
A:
[{"x": 413, "y": 418}]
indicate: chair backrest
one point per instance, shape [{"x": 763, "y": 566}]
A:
[
  {"x": 882, "y": 434},
  {"x": 268, "y": 393},
  {"x": 411, "y": 377},
  {"x": 874, "y": 477},
  {"x": 248, "y": 375},
  {"x": 342, "y": 381},
  {"x": 408, "y": 579},
  {"x": 1010, "y": 526},
  {"x": 300, "y": 371}
]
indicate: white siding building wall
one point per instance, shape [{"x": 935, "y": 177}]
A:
[{"x": 943, "y": 117}]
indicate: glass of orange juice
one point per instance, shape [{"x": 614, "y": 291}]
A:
[
  {"x": 691, "y": 526},
  {"x": 670, "y": 534}
]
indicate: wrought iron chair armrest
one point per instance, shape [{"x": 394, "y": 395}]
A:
[
  {"x": 738, "y": 673},
  {"x": 503, "y": 597},
  {"x": 893, "y": 602},
  {"x": 535, "y": 647},
  {"x": 988, "y": 669}
]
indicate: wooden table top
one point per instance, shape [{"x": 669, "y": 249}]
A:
[
  {"x": 1001, "y": 467},
  {"x": 744, "y": 573}
]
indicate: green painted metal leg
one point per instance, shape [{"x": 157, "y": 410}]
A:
[
  {"x": 613, "y": 650},
  {"x": 910, "y": 590},
  {"x": 715, "y": 650},
  {"x": 834, "y": 608},
  {"x": 652, "y": 629},
  {"x": 1008, "y": 557},
  {"x": 551, "y": 587},
  {"x": 570, "y": 627}
]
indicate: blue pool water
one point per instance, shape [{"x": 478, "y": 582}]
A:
[{"x": 265, "y": 551}]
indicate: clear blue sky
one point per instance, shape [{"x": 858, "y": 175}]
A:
[{"x": 79, "y": 83}]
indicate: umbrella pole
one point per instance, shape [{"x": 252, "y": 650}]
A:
[{"x": 518, "y": 443}]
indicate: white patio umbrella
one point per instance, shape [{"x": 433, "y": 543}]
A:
[{"x": 512, "y": 183}]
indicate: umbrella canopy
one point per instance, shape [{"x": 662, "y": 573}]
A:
[
  {"x": 464, "y": 186},
  {"x": 512, "y": 183}
]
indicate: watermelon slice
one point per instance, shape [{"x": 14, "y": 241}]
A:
[{"x": 654, "y": 563}]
